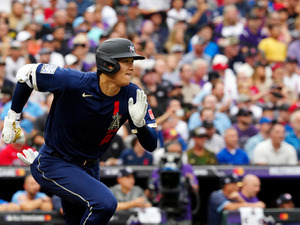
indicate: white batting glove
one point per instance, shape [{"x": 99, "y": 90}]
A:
[
  {"x": 12, "y": 132},
  {"x": 138, "y": 110},
  {"x": 29, "y": 157}
]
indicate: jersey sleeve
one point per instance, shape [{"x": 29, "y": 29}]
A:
[{"x": 52, "y": 78}]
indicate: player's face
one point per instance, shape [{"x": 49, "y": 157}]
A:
[{"x": 122, "y": 77}]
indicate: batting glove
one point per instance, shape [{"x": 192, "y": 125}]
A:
[
  {"x": 138, "y": 110},
  {"x": 29, "y": 157},
  {"x": 12, "y": 132}
]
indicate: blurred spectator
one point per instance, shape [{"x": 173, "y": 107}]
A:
[
  {"x": 31, "y": 111},
  {"x": 110, "y": 157},
  {"x": 17, "y": 18},
  {"x": 31, "y": 198},
  {"x": 264, "y": 128},
  {"x": 274, "y": 150},
  {"x": 177, "y": 13},
  {"x": 291, "y": 78},
  {"x": 160, "y": 32},
  {"x": 244, "y": 101},
  {"x": 55, "y": 57},
  {"x": 147, "y": 7},
  {"x": 44, "y": 55},
  {"x": 80, "y": 49},
  {"x": 294, "y": 50},
  {"x": 199, "y": 154},
  {"x": 285, "y": 201},
  {"x": 150, "y": 80},
  {"x": 231, "y": 154},
  {"x": 129, "y": 195},
  {"x": 227, "y": 198},
  {"x": 209, "y": 112},
  {"x": 60, "y": 41},
  {"x": 197, "y": 52},
  {"x": 231, "y": 24},
  {"x": 250, "y": 188},
  {"x": 172, "y": 72},
  {"x": 170, "y": 146},
  {"x": 71, "y": 61},
  {"x": 284, "y": 115},
  {"x": 134, "y": 18},
  {"x": 230, "y": 47},
  {"x": 25, "y": 38},
  {"x": 14, "y": 61},
  {"x": 38, "y": 19},
  {"x": 36, "y": 139},
  {"x": 8, "y": 206},
  {"x": 137, "y": 155},
  {"x": 215, "y": 142},
  {"x": 220, "y": 63},
  {"x": 253, "y": 32},
  {"x": 274, "y": 50},
  {"x": 5, "y": 39},
  {"x": 175, "y": 40},
  {"x": 4, "y": 82},
  {"x": 200, "y": 14},
  {"x": 57, "y": 206},
  {"x": 293, "y": 136},
  {"x": 244, "y": 126},
  {"x": 189, "y": 89},
  {"x": 200, "y": 68}
]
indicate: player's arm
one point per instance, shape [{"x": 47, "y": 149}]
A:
[
  {"x": 147, "y": 136},
  {"x": 12, "y": 132}
]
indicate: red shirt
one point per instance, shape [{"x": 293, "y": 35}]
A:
[{"x": 8, "y": 156}]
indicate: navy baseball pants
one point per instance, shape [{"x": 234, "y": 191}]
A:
[{"x": 85, "y": 199}]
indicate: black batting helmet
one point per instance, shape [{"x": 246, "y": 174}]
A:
[{"x": 112, "y": 49}]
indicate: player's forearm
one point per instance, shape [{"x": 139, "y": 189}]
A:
[
  {"x": 20, "y": 97},
  {"x": 147, "y": 137}
]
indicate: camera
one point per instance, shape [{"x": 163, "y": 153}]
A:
[{"x": 172, "y": 185}]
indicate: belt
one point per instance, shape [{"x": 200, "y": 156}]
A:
[{"x": 88, "y": 162}]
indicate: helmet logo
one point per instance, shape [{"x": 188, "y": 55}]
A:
[{"x": 131, "y": 48}]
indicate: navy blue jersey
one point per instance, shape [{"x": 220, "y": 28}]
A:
[{"x": 82, "y": 120}]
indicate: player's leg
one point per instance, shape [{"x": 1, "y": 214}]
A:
[
  {"x": 73, "y": 213},
  {"x": 77, "y": 184}
]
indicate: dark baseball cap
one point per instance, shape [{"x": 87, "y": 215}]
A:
[
  {"x": 283, "y": 198},
  {"x": 229, "y": 179},
  {"x": 48, "y": 38},
  {"x": 208, "y": 124},
  {"x": 125, "y": 172},
  {"x": 244, "y": 112},
  {"x": 283, "y": 107}
]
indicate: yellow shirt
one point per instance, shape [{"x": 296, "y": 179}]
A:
[{"x": 273, "y": 49}]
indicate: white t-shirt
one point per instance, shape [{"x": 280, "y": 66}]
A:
[{"x": 265, "y": 153}]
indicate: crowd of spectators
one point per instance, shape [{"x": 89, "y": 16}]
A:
[
  {"x": 225, "y": 66},
  {"x": 222, "y": 76}
]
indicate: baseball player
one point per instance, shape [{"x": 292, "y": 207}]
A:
[{"x": 87, "y": 111}]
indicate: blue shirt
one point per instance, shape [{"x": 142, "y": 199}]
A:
[
  {"x": 16, "y": 195},
  {"x": 221, "y": 121},
  {"x": 251, "y": 143},
  {"x": 31, "y": 108},
  {"x": 216, "y": 203},
  {"x": 239, "y": 158},
  {"x": 292, "y": 139},
  {"x": 129, "y": 157},
  {"x": 82, "y": 120}
]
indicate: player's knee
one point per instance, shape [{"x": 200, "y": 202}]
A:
[{"x": 107, "y": 205}]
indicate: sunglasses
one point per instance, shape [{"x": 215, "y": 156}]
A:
[{"x": 80, "y": 45}]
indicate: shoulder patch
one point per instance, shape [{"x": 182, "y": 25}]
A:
[{"x": 48, "y": 69}]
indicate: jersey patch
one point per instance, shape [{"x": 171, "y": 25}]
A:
[
  {"x": 151, "y": 114},
  {"x": 48, "y": 69}
]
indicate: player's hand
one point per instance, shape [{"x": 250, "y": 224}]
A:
[
  {"x": 29, "y": 157},
  {"x": 138, "y": 110},
  {"x": 12, "y": 132}
]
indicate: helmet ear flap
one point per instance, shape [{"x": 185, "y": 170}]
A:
[{"x": 107, "y": 65}]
